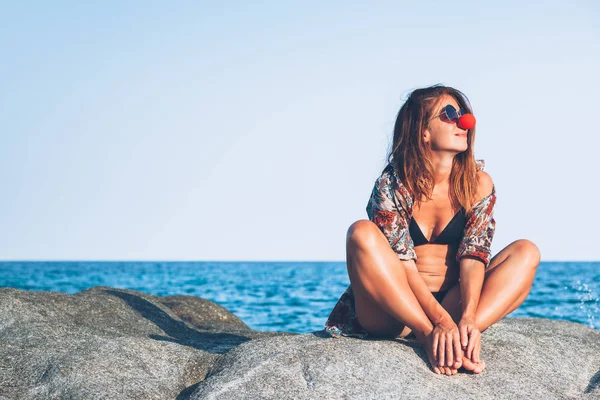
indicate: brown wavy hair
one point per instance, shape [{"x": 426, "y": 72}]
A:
[{"x": 410, "y": 155}]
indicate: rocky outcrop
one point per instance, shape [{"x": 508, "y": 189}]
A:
[
  {"x": 525, "y": 358},
  {"x": 107, "y": 343}
]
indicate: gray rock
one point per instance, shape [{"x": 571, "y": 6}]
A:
[
  {"x": 202, "y": 313},
  {"x": 106, "y": 343},
  {"x": 525, "y": 358}
]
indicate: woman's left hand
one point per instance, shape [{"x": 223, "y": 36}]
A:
[{"x": 470, "y": 339}]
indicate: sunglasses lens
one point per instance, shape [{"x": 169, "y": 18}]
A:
[{"x": 449, "y": 114}]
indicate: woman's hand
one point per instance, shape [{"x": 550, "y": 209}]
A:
[
  {"x": 446, "y": 344},
  {"x": 470, "y": 339}
]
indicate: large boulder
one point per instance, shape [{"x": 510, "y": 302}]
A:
[
  {"x": 526, "y": 358},
  {"x": 106, "y": 343},
  {"x": 202, "y": 314}
]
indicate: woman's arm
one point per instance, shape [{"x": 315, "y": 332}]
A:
[
  {"x": 432, "y": 308},
  {"x": 389, "y": 208},
  {"x": 472, "y": 272},
  {"x": 481, "y": 225},
  {"x": 473, "y": 257},
  {"x": 475, "y": 248}
]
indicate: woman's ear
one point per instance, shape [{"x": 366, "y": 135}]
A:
[{"x": 426, "y": 136}]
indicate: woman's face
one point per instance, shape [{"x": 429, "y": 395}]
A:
[{"x": 445, "y": 136}]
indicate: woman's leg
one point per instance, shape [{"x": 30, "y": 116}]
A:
[
  {"x": 507, "y": 283},
  {"x": 384, "y": 302}
]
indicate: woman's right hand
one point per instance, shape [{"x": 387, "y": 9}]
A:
[{"x": 446, "y": 344}]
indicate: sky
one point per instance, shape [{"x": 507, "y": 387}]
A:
[{"x": 231, "y": 131}]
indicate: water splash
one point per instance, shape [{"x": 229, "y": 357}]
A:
[{"x": 589, "y": 303}]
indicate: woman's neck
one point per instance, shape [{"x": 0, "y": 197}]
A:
[{"x": 442, "y": 167}]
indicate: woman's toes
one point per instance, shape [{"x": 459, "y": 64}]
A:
[
  {"x": 468, "y": 364},
  {"x": 481, "y": 366}
]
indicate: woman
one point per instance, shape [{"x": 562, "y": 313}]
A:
[{"x": 421, "y": 264}]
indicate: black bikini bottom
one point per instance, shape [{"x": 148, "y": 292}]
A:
[{"x": 439, "y": 296}]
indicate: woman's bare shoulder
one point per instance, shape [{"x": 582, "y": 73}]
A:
[{"x": 485, "y": 186}]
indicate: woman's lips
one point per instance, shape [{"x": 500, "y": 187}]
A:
[{"x": 461, "y": 134}]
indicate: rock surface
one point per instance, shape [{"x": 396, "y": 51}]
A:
[
  {"x": 526, "y": 358},
  {"x": 106, "y": 343}
]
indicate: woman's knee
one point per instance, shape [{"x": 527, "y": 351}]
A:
[
  {"x": 362, "y": 233},
  {"x": 529, "y": 250}
]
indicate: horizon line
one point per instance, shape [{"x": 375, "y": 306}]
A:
[{"x": 224, "y": 261}]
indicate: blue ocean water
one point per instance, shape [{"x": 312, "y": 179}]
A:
[{"x": 288, "y": 296}]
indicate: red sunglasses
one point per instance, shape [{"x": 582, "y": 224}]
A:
[{"x": 462, "y": 118}]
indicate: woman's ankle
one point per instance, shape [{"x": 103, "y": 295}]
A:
[{"x": 422, "y": 334}]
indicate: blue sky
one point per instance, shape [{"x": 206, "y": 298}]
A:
[{"x": 153, "y": 131}]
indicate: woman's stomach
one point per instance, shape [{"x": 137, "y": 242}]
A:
[{"x": 437, "y": 266}]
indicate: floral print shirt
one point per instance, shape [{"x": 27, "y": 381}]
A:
[{"x": 390, "y": 208}]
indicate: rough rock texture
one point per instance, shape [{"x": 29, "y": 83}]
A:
[
  {"x": 106, "y": 343},
  {"x": 526, "y": 358},
  {"x": 201, "y": 313}
]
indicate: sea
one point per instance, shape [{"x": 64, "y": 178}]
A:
[{"x": 287, "y": 296}]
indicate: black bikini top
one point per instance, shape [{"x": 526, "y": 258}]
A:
[{"x": 452, "y": 233}]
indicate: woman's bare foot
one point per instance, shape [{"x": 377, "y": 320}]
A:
[
  {"x": 468, "y": 364},
  {"x": 474, "y": 367}
]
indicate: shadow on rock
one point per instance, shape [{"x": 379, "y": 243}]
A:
[
  {"x": 187, "y": 392},
  {"x": 177, "y": 331},
  {"x": 594, "y": 383}
]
